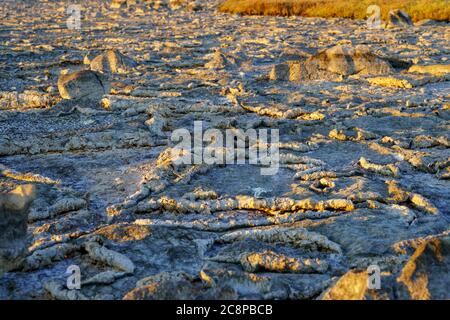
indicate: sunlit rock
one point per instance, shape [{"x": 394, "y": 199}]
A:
[
  {"x": 112, "y": 61},
  {"x": 14, "y": 207},
  {"x": 83, "y": 84},
  {"x": 399, "y": 18},
  {"x": 425, "y": 274},
  {"x": 333, "y": 64}
]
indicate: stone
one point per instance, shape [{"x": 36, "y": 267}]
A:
[
  {"x": 425, "y": 275},
  {"x": 14, "y": 206},
  {"x": 83, "y": 84},
  {"x": 112, "y": 61},
  {"x": 354, "y": 286},
  {"x": 399, "y": 18},
  {"x": 219, "y": 61},
  {"x": 176, "y": 4},
  {"x": 351, "y": 286},
  {"x": 89, "y": 56},
  {"x": 346, "y": 61},
  {"x": 332, "y": 64}
]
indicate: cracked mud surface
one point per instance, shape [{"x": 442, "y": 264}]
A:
[{"x": 364, "y": 170}]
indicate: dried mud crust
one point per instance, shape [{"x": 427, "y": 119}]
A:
[{"x": 364, "y": 154}]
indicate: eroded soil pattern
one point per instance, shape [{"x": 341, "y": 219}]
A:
[{"x": 86, "y": 117}]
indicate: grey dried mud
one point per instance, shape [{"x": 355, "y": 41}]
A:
[{"x": 363, "y": 118}]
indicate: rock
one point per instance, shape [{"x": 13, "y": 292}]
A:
[
  {"x": 89, "y": 56},
  {"x": 347, "y": 61},
  {"x": 219, "y": 61},
  {"x": 354, "y": 286},
  {"x": 178, "y": 286},
  {"x": 176, "y": 4},
  {"x": 399, "y": 18},
  {"x": 331, "y": 64},
  {"x": 351, "y": 286},
  {"x": 83, "y": 84},
  {"x": 112, "y": 61},
  {"x": 425, "y": 274},
  {"x": 14, "y": 207},
  {"x": 296, "y": 71}
]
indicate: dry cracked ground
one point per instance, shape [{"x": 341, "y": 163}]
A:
[{"x": 89, "y": 180}]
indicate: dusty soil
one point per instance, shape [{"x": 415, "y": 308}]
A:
[{"x": 363, "y": 178}]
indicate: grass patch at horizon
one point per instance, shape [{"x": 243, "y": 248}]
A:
[{"x": 352, "y": 9}]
